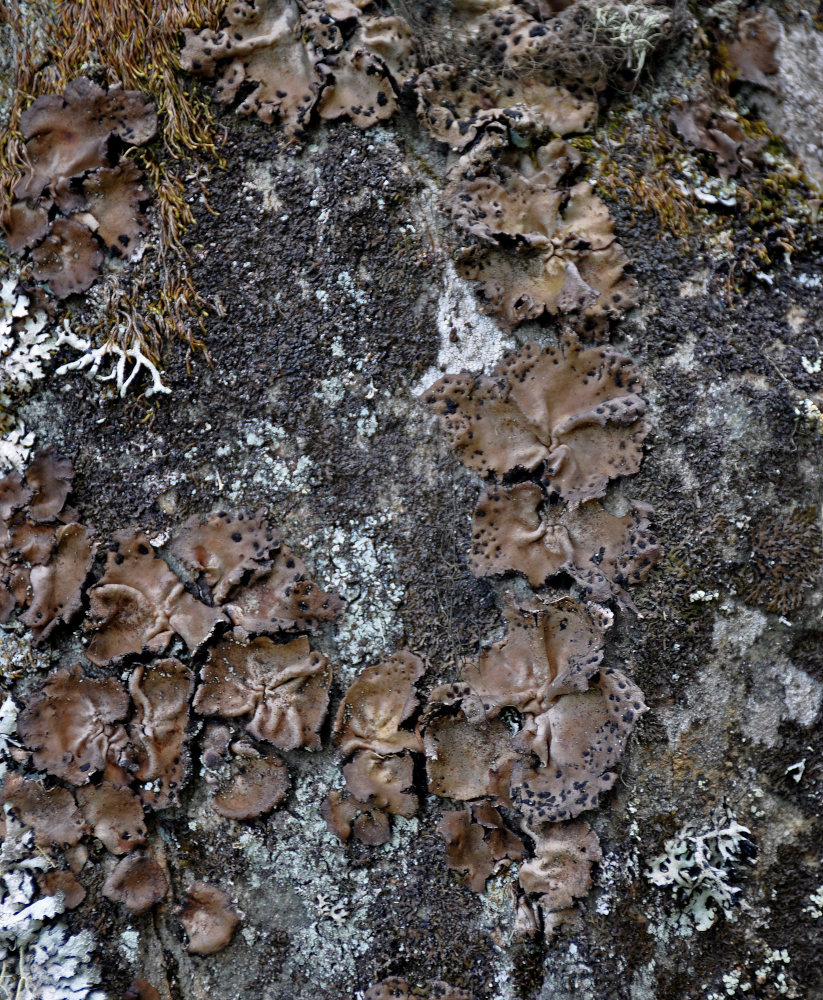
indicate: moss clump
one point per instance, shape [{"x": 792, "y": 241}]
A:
[{"x": 135, "y": 45}]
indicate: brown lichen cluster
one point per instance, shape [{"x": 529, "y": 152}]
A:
[
  {"x": 572, "y": 415},
  {"x": 531, "y": 734},
  {"x": 114, "y": 743},
  {"x": 332, "y": 58},
  {"x": 45, "y": 554},
  {"x": 573, "y": 418},
  {"x": 79, "y": 196},
  {"x": 719, "y": 134},
  {"x": 372, "y": 734},
  {"x": 547, "y": 244},
  {"x": 528, "y": 739}
]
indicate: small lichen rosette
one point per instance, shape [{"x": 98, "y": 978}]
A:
[
  {"x": 572, "y": 414},
  {"x": 535, "y": 727}
]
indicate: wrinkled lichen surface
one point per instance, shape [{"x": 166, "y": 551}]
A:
[{"x": 338, "y": 302}]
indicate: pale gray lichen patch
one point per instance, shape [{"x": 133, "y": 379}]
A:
[
  {"x": 304, "y": 866},
  {"x": 353, "y": 560},
  {"x": 470, "y": 340},
  {"x": 39, "y": 959},
  {"x": 701, "y": 865},
  {"x": 768, "y": 975},
  {"x": 128, "y": 943},
  {"x": 815, "y": 907}
]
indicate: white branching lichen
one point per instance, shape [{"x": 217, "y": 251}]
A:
[
  {"x": 8, "y": 725},
  {"x": 701, "y": 865},
  {"x": 95, "y": 357},
  {"x": 16, "y": 440},
  {"x": 24, "y": 344},
  {"x": 327, "y": 910}
]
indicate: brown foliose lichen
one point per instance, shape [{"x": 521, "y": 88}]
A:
[{"x": 76, "y": 198}]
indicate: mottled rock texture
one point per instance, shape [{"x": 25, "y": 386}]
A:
[{"x": 332, "y": 268}]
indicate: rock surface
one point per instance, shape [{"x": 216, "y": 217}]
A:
[{"x": 334, "y": 302}]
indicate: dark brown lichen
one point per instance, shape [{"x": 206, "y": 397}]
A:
[
  {"x": 783, "y": 560},
  {"x": 74, "y": 729},
  {"x": 282, "y": 687}
]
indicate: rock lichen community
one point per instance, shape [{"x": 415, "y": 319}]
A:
[{"x": 326, "y": 594}]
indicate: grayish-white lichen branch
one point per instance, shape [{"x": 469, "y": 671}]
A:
[
  {"x": 95, "y": 357},
  {"x": 39, "y": 958},
  {"x": 701, "y": 865}
]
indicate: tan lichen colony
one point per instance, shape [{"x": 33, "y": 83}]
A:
[
  {"x": 530, "y": 736},
  {"x": 80, "y": 196},
  {"x": 117, "y": 746},
  {"x": 571, "y": 417}
]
